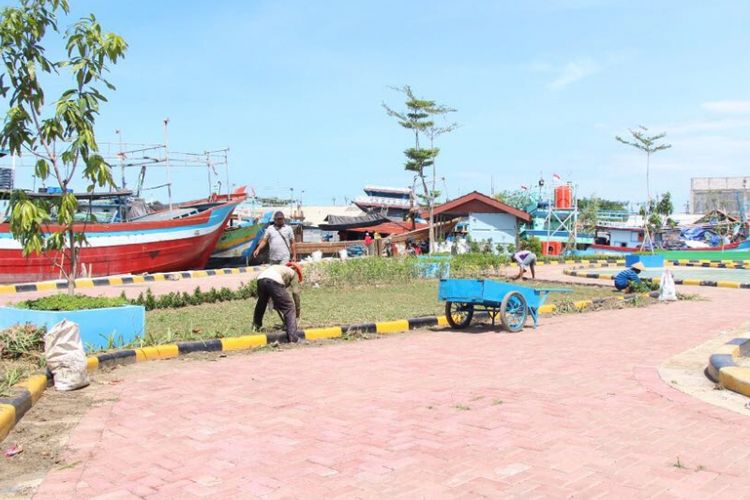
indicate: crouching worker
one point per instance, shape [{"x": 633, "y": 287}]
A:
[
  {"x": 273, "y": 283},
  {"x": 625, "y": 279},
  {"x": 525, "y": 260}
]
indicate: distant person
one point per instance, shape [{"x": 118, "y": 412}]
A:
[
  {"x": 378, "y": 244},
  {"x": 273, "y": 284},
  {"x": 624, "y": 279},
  {"x": 280, "y": 240},
  {"x": 525, "y": 259},
  {"x": 368, "y": 243}
]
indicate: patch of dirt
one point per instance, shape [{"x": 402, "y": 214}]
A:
[
  {"x": 685, "y": 373},
  {"x": 43, "y": 433}
]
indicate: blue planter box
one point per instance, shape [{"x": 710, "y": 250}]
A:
[
  {"x": 646, "y": 260},
  {"x": 124, "y": 323}
]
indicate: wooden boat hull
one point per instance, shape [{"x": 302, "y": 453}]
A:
[{"x": 123, "y": 248}]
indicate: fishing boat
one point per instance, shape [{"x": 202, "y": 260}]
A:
[
  {"x": 166, "y": 240},
  {"x": 240, "y": 238}
]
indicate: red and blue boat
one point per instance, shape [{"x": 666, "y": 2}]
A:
[{"x": 162, "y": 241}]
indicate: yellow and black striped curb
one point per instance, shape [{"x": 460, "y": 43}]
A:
[
  {"x": 28, "y": 392},
  {"x": 722, "y": 264},
  {"x": 125, "y": 280},
  {"x": 723, "y": 369},
  {"x": 580, "y": 272},
  {"x": 581, "y": 261}
]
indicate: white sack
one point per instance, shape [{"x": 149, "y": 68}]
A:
[
  {"x": 65, "y": 356},
  {"x": 667, "y": 290}
]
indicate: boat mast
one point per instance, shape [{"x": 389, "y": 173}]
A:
[
  {"x": 122, "y": 158},
  {"x": 166, "y": 153}
]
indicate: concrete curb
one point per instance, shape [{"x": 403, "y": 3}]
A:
[
  {"x": 576, "y": 272},
  {"x": 723, "y": 370},
  {"x": 28, "y": 392},
  {"x": 124, "y": 280}
]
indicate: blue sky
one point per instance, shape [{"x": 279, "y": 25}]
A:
[{"x": 295, "y": 89}]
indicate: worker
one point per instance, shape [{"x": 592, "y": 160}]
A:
[
  {"x": 526, "y": 259},
  {"x": 273, "y": 283},
  {"x": 368, "y": 243},
  {"x": 280, "y": 240},
  {"x": 624, "y": 279}
]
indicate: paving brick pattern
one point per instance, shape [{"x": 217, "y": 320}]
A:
[{"x": 574, "y": 409}]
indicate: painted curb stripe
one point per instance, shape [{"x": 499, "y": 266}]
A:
[
  {"x": 361, "y": 328},
  {"x": 722, "y": 368},
  {"x": 36, "y": 384},
  {"x": 211, "y": 345},
  {"x": 735, "y": 378},
  {"x": 7, "y": 419},
  {"x": 20, "y": 400},
  {"x": 280, "y": 337},
  {"x": 118, "y": 357},
  {"x": 124, "y": 280},
  {"x": 244, "y": 342},
  {"x": 392, "y": 326},
  {"x": 427, "y": 321},
  {"x": 323, "y": 333}
]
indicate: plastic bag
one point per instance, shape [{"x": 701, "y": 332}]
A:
[
  {"x": 65, "y": 356},
  {"x": 667, "y": 290},
  {"x": 343, "y": 254}
]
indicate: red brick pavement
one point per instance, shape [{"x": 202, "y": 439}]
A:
[{"x": 575, "y": 408}]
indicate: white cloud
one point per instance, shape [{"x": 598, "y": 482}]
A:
[
  {"x": 575, "y": 71},
  {"x": 728, "y": 107}
]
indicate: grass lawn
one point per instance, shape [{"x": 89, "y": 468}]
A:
[{"x": 321, "y": 307}]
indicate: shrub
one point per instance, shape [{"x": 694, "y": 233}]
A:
[
  {"x": 64, "y": 302},
  {"x": 355, "y": 272},
  {"x": 477, "y": 264},
  {"x": 533, "y": 244}
]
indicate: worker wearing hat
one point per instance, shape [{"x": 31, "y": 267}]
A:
[
  {"x": 276, "y": 283},
  {"x": 625, "y": 278}
]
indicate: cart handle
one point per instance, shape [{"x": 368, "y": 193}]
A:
[{"x": 540, "y": 291}]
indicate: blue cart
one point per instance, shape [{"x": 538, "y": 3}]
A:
[{"x": 513, "y": 303}]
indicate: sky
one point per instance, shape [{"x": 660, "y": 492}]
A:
[{"x": 295, "y": 90}]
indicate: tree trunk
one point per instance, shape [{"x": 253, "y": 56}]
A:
[{"x": 73, "y": 262}]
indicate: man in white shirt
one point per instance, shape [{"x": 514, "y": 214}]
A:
[
  {"x": 273, "y": 283},
  {"x": 280, "y": 240}
]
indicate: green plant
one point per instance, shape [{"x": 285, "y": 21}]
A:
[
  {"x": 8, "y": 379},
  {"x": 62, "y": 302},
  {"x": 61, "y": 142},
  {"x": 532, "y": 244},
  {"x": 22, "y": 341}
]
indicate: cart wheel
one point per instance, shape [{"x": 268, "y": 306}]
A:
[
  {"x": 513, "y": 311},
  {"x": 459, "y": 314}
]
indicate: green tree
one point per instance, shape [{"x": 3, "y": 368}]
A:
[
  {"x": 60, "y": 137},
  {"x": 418, "y": 117},
  {"x": 649, "y": 144},
  {"x": 516, "y": 199},
  {"x": 602, "y": 204},
  {"x": 588, "y": 216},
  {"x": 665, "y": 206}
]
